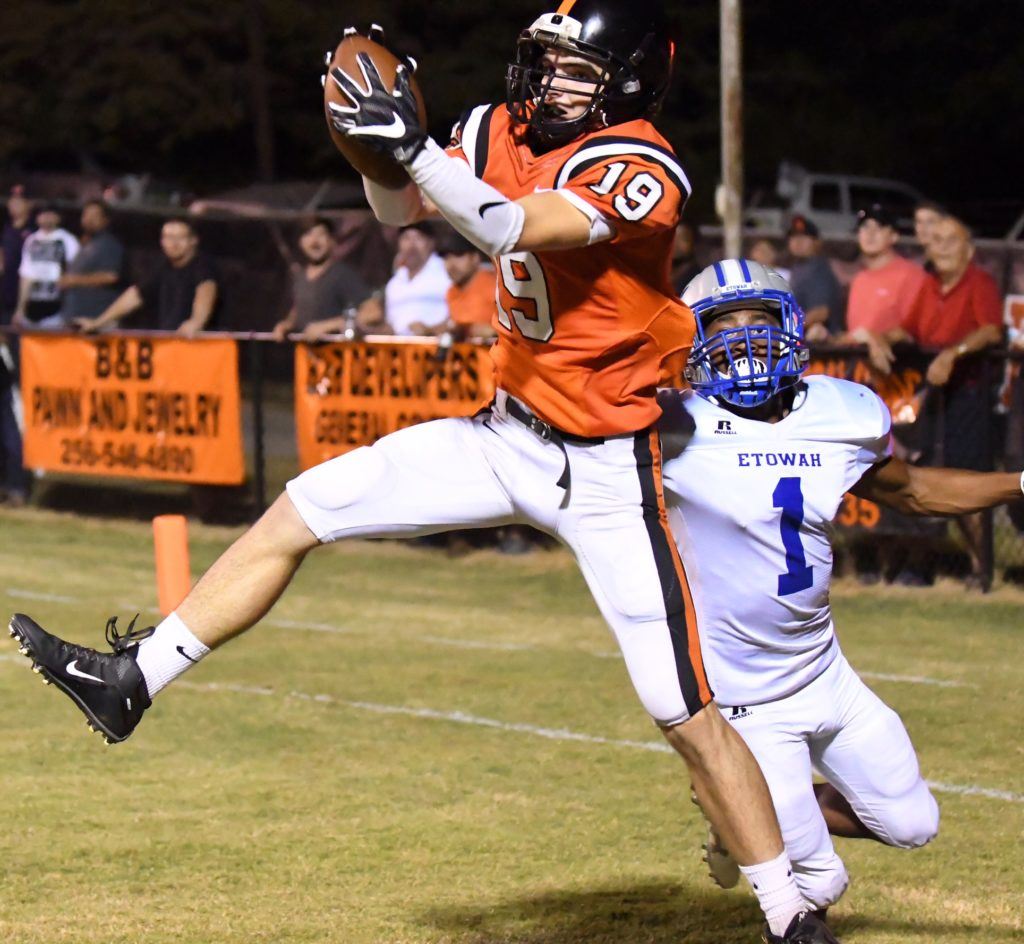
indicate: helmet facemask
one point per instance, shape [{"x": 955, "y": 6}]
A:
[
  {"x": 747, "y": 365},
  {"x": 616, "y": 92}
]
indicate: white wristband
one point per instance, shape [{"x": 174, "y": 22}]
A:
[
  {"x": 487, "y": 218},
  {"x": 394, "y": 207}
]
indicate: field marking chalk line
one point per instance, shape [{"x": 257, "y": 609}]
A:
[
  {"x": 464, "y": 643},
  {"x": 553, "y": 734}
]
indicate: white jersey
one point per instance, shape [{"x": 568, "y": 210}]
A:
[
  {"x": 45, "y": 257},
  {"x": 750, "y": 505}
]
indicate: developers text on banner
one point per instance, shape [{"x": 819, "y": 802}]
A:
[
  {"x": 349, "y": 395},
  {"x": 133, "y": 406}
]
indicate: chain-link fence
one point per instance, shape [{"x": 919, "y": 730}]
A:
[{"x": 976, "y": 421}]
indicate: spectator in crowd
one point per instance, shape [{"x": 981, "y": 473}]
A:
[
  {"x": 90, "y": 284},
  {"x": 882, "y": 292},
  {"x": 814, "y": 283},
  {"x": 45, "y": 257},
  {"x": 764, "y": 251},
  {"x": 415, "y": 295},
  {"x": 180, "y": 295},
  {"x": 926, "y": 215},
  {"x": 16, "y": 231},
  {"x": 958, "y": 312},
  {"x": 685, "y": 246},
  {"x": 470, "y": 297},
  {"x": 328, "y": 296}
]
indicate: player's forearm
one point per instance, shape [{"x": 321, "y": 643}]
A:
[
  {"x": 947, "y": 492},
  {"x": 487, "y": 218},
  {"x": 395, "y": 207}
]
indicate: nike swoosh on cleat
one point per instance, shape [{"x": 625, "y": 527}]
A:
[
  {"x": 72, "y": 669},
  {"x": 182, "y": 652},
  {"x": 394, "y": 130},
  {"x": 487, "y": 206}
]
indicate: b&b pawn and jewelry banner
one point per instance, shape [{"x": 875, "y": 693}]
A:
[
  {"x": 350, "y": 395},
  {"x": 151, "y": 408}
]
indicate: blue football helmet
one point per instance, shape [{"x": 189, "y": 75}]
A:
[{"x": 744, "y": 366}]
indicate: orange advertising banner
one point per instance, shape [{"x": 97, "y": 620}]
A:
[
  {"x": 352, "y": 394},
  {"x": 133, "y": 406}
]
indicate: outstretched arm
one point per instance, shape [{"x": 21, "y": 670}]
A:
[
  {"x": 915, "y": 490},
  {"x": 387, "y": 121}
]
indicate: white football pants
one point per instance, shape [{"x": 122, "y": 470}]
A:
[
  {"x": 492, "y": 470},
  {"x": 839, "y": 727}
]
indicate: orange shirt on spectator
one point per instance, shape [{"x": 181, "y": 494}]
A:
[
  {"x": 881, "y": 298},
  {"x": 472, "y": 303},
  {"x": 939, "y": 320}
]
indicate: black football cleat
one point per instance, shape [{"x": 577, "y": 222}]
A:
[
  {"x": 107, "y": 686},
  {"x": 805, "y": 928}
]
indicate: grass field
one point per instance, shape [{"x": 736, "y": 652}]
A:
[{"x": 393, "y": 757}]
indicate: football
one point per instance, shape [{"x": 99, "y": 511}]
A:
[{"x": 380, "y": 168}]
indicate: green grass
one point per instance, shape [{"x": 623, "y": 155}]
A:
[{"x": 246, "y": 811}]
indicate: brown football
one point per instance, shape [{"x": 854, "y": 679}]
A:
[{"x": 378, "y": 167}]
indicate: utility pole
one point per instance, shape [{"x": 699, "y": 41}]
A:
[{"x": 730, "y": 203}]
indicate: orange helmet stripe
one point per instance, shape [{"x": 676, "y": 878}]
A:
[{"x": 565, "y": 6}]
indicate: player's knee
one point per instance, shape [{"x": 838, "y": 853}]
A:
[
  {"x": 915, "y": 822},
  {"x": 344, "y": 480},
  {"x": 822, "y": 885}
]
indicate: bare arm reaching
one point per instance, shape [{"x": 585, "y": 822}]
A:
[{"x": 915, "y": 490}]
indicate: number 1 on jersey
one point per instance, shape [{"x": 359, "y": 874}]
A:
[{"x": 790, "y": 498}]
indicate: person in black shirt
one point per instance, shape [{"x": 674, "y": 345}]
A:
[{"x": 180, "y": 295}]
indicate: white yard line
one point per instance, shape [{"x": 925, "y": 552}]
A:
[
  {"x": 512, "y": 727},
  {"x": 44, "y": 597},
  {"x": 485, "y": 645},
  {"x": 915, "y": 680},
  {"x": 552, "y": 734}
]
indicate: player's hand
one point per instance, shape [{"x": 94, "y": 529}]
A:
[
  {"x": 941, "y": 369},
  {"x": 386, "y": 121}
]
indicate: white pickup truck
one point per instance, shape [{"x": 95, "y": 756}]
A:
[{"x": 831, "y": 201}]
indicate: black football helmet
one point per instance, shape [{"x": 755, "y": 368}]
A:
[{"x": 629, "y": 42}]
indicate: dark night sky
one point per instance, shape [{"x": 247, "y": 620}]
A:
[{"x": 923, "y": 92}]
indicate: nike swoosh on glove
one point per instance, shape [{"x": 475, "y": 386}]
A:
[{"x": 386, "y": 121}]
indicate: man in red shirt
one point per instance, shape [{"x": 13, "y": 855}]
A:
[
  {"x": 882, "y": 293},
  {"x": 957, "y": 313}
]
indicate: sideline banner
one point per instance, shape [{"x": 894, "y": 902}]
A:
[
  {"x": 146, "y": 408},
  {"x": 352, "y": 394},
  {"x": 901, "y": 392}
]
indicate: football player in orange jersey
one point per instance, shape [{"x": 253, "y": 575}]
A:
[{"x": 576, "y": 196}]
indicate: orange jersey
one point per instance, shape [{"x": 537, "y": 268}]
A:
[
  {"x": 583, "y": 332},
  {"x": 472, "y": 303}
]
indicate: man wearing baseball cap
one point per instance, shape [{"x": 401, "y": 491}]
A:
[
  {"x": 813, "y": 282},
  {"x": 883, "y": 291}
]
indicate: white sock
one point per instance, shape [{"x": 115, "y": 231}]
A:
[
  {"x": 776, "y": 890},
  {"x": 171, "y": 650}
]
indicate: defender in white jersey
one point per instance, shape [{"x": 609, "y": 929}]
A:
[{"x": 751, "y": 499}]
